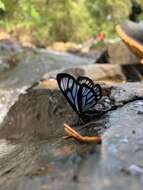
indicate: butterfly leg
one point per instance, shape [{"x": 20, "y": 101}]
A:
[{"x": 74, "y": 134}]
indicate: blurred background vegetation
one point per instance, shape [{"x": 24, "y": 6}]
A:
[{"x": 47, "y": 21}]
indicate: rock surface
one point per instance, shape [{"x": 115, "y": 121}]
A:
[
  {"x": 23, "y": 66},
  {"x": 99, "y": 72},
  {"x": 108, "y": 73},
  {"x": 34, "y": 155},
  {"x": 120, "y": 54}
]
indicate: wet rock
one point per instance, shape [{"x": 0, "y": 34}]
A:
[
  {"x": 22, "y": 65},
  {"x": 135, "y": 170},
  {"x": 34, "y": 115},
  {"x": 109, "y": 73},
  {"x": 34, "y": 154},
  {"x": 39, "y": 107},
  {"x": 127, "y": 92},
  {"x": 7, "y": 99},
  {"x": 8, "y": 46},
  {"x": 42, "y": 107},
  {"x": 3, "y": 66},
  {"x": 9, "y": 51}
]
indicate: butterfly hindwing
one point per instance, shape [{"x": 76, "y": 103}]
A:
[
  {"x": 98, "y": 91},
  {"x": 69, "y": 88},
  {"x": 86, "y": 99},
  {"x": 85, "y": 80},
  {"x": 90, "y": 83}
]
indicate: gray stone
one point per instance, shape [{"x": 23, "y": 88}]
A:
[
  {"x": 33, "y": 151},
  {"x": 27, "y": 65},
  {"x": 34, "y": 155},
  {"x": 98, "y": 72},
  {"x": 127, "y": 92},
  {"x": 34, "y": 114},
  {"x": 120, "y": 54}
]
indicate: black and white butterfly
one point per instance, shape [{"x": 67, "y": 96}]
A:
[{"x": 81, "y": 93}]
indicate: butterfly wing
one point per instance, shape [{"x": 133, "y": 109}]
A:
[
  {"x": 98, "y": 91},
  {"x": 87, "y": 99},
  {"x": 90, "y": 83},
  {"x": 70, "y": 88},
  {"x": 85, "y": 80}
]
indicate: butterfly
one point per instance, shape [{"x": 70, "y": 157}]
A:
[{"x": 81, "y": 93}]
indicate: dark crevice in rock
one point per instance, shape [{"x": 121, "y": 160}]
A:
[
  {"x": 132, "y": 73},
  {"x": 132, "y": 100}
]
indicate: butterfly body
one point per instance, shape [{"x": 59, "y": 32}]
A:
[{"x": 81, "y": 93}]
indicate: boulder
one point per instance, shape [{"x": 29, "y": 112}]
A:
[
  {"x": 120, "y": 54},
  {"x": 35, "y": 155}
]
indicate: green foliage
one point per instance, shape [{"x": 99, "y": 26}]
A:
[
  {"x": 69, "y": 20},
  {"x": 2, "y": 6},
  {"x": 64, "y": 20},
  {"x": 108, "y": 13}
]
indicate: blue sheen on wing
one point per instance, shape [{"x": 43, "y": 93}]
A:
[
  {"x": 91, "y": 99},
  {"x": 65, "y": 82},
  {"x": 70, "y": 96},
  {"x": 90, "y": 106},
  {"x": 62, "y": 85},
  {"x": 74, "y": 89},
  {"x": 83, "y": 103},
  {"x": 76, "y": 101},
  {"x": 85, "y": 91},
  {"x": 89, "y": 95},
  {"x": 70, "y": 83},
  {"x": 97, "y": 91}
]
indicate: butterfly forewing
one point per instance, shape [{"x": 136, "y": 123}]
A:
[{"x": 69, "y": 88}]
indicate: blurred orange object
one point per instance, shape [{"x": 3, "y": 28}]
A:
[
  {"x": 72, "y": 133},
  {"x": 132, "y": 35},
  {"x": 100, "y": 36}
]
